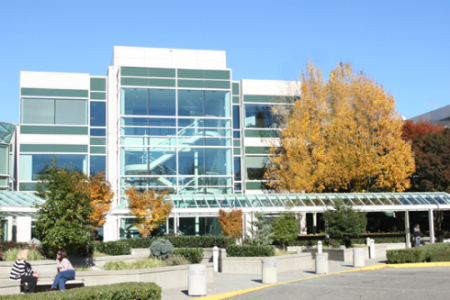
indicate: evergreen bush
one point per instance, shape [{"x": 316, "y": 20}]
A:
[
  {"x": 113, "y": 248},
  {"x": 161, "y": 248},
  {"x": 118, "y": 291},
  {"x": 415, "y": 255},
  {"x": 440, "y": 256},
  {"x": 193, "y": 255},
  {"x": 250, "y": 251}
]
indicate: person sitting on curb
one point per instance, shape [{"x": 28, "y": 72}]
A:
[
  {"x": 417, "y": 235},
  {"x": 65, "y": 271},
  {"x": 22, "y": 270}
]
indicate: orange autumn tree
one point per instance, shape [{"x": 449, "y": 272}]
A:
[
  {"x": 342, "y": 135},
  {"x": 101, "y": 197},
  {"x": 231, "y": 222},
  {"x": 149, "y": 209}
]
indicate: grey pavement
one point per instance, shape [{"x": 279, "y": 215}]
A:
[
  {"x": 224, "y": 283},
  {"x": 410, "y": 283}
]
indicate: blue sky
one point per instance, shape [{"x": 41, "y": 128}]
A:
[{"x": 404, "y": 45}]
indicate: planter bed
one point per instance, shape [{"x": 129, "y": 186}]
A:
[
  {"x": 252, "y": 265},
  {"x": 166, "y": 277}
]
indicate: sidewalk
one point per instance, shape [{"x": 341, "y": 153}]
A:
[{"x": 224, "y": 283}]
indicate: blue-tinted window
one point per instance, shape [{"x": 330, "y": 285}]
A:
[
  {"x": 33, "y": 164},
  {"x": 98, "y": 132},
  {"x": 154, "y": 102},
  {"x": 236, "y": 117},
  {"x": 237, "y": 168},
  {"x": 98, "y": 113},
  {"x": 148, "y": 161},
  {"x": 260, "y": 116},
  {"x": 98, "y": 164},
  {"x": 236, "y": 134},
  {"x": 195, "y": 103}
]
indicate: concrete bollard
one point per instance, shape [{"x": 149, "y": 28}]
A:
[
  {"x": 358, "y": 257},
  {"x": 321, "y": 263},
  {"x": 319, "y": 247},
  {"x": 372, "y": 249},
  {"x": 269, "y": 270},
  {"x": 197, "y": 280},
  {"x": 216, "y": 258},
  {"x": 368, "y": 241}
]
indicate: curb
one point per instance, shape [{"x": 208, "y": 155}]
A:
[{"x": 369, "y": 268}]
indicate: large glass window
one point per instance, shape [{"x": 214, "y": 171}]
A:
[
  {"x": 197, "y": 103},
  {"x": 97, "y": 164},
  {"x": 201, "y": 161},
  {"x": 148, "y": 161},
  {"x": 98, "y": 113},
  {"x": 33, "y": 164},
  {"x": 260, "y": 116},
  {"x": 236, "y": 123},
  {"x": 155, "y": 102},
  {"x": 256, "y": 167},
  {"x": 4, "y": 155},
  {"x": 54, "y": 111},
  {"x": 237, "y": 168}
]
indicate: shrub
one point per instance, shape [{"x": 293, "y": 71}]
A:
[
  {"x": 184, "y": 241},
  {"x": 115, "y": 265},
  {"x": 440, "y": 256},
  {"x": 147, "y": 263},
  {"x": 414, "y": 255},
  {"x": 113, "y": 248},
  {"x": 193, "y": 255},
  {"x": 176, "y": 260},
  {"x": 11, "y": 254},
  {"x": 118, "y": 291},
  {"x": 250, "y": 251},
  {"x": 6, "y": 245},
  {"x": 161, "y": 248}
]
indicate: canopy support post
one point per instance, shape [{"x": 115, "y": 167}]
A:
[
  {"x": 407, "y": 230},
  {"x": 431, "y": 224}
]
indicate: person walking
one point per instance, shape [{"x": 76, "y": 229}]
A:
[
  {"x": 23, "y": 271},
  {"x": 417, "y": 235},
  {"x": 65, "y": 271}
]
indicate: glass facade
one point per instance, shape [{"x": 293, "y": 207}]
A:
[
  {"x": 177, "y": 139},
  {"x": 7, "y": 156},
  {"x": 54, "y": 111}
]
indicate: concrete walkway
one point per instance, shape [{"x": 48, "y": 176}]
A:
[{"x": 225, "y": 283}]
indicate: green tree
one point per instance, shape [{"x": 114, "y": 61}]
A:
[
  {"x": 344, "y": 222},
  {"x": 64, "y": 219},
  {"x": 261, "y": 230},
  {"x": 284, "y": 228}
]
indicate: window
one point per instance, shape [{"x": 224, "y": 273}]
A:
[
  {"x": 154, "y": 102},
  {"x": 260, "y": 116},
  {"x": 54, "y": 111},
  {"x": 98, "y": 113}
]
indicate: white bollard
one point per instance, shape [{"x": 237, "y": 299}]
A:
[
  {"x": 321, "y": 263},
  {"x": 372, "y": 248},
  {"x": 358, "y": 257},
  {"x": 197, "y": 280},
  {"x": 368, "y": 241},
  {"x": 216, "y": 258},
  {"x": 319, "y": 247},
  {"x": 269, "y": 270}
]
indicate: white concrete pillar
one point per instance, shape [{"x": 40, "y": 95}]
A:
[
  {"x": 314, "y": 223},
  {"x": 109, "y": 230},
  {"x": 167, "y": 225},
  {"x": 407, "y": 230},
  {"x": 197, "y": 225},
  {"x": 23, "y": 225},
  {"x": 216, "y": 258},
  {"x": 301, "y": 219},
  {"x": 431, "y": 223},
  {"x": 175, "y": 224}
]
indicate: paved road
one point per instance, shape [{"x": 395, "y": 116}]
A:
[{"x": 409, "y": 283}]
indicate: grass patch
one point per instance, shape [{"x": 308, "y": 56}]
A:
[
  {"x": 11, "y": 255},
  {"x": 82, "y": 269},
  {"x": 283, "y": 252},
  {"x": 147, "y": 263}
]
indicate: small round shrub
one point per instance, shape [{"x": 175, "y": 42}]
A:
[
  {"x": 161, "y": 248},
  {"x": 176, "y": 260}
]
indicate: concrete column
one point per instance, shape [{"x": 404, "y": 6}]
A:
[
  {"x": 197, "y": 225},
  {"x": 167, "y": 225},
  {"x": 431, "y": 223},
  {"x": 175, "y": 225},
  {"x": 301, "y": 219},
  {"x": 23, "y": 225},
  {"x": 407, "y": 230},
  {"x": 314, "y": 223}
]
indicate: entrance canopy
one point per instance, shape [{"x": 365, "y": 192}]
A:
[
  {"x": 18, "y": 203},
  {"x": 371, "y": 202}
]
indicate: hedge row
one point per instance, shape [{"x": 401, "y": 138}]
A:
[
  {"x": 379, "y": 239},
  {"x": 250, "y": 251},
  {"x": 123, "y": 247},
  {"x": 415, "y": 255},
  {"x": 440, "y": 256},
  {"x": 118, "y": 291},
  {"x": 193, "y": 255}
]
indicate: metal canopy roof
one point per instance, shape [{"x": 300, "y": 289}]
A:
[
  {"x": 6, "y": 132},
  {"x": 199, "y": 203},
  {"x": 13, "y": 203}
]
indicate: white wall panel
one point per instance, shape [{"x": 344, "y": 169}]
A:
[
  {"x": 49, "y": 80},
  {"x": 270, "y": 87},
  {"x": 57, "y": 139}
]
